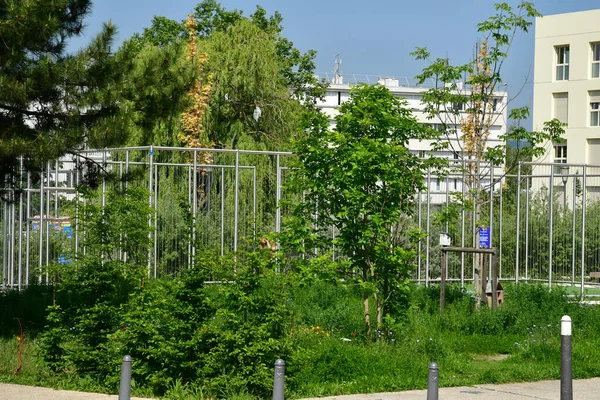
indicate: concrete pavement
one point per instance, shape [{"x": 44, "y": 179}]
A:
[{"x": 583, "y": 389}]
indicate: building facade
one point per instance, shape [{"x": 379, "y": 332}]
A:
[
  {"x": 338, "y": 92},
  {"x": 567, "y": 87}
]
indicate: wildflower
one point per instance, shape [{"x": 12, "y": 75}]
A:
[
  {"x": 430, "y": 339},
  {"x": 18, "y": 338},
  {"x": 418, "y": 340}
]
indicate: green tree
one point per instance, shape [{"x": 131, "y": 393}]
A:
[
  {"x": 52, "y": 102},
  {"x": 466, "y": 102},
  {"x": 360, "y": 178}
]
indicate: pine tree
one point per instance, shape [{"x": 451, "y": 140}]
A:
[{"x": 51, "y": 102}]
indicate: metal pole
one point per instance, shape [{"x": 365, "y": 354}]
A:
[
  {"x": 278, "y": 197},
  {"x": 433, "y": 382},
  {"x": 125, "y": 386},
  {"x": 150, "y": 176},
  {"x": 20, "y": 276},
  {"x": 566, "y": 360},
  {"x": 462, "y": 228},
  {"x": 48, "y": 225},
  {"x": 443, "y": 282},
  {"x": 500, "y": 236},
  {"x": 550, "y": 236},
  {"x": 428, "y": 226},
  {"x": 41, "y": 244},
  {"x": 420, "y": 222},
  {"x": 254, "y": 180},
  {"x": 222, "y": 211},
  {"x": 574, "y": 212},
  {"x": 155, "y": 212},
  {"x": 527, "y": 188},
  {"x": 27, "y": 229},
  {"x": 518, "y": 224},
  {"x": 583, "y": 211},
  {"x": 490, "y": 261},
  {"x": 278, "y": 380},
  {"x": 235, "y": 206}
]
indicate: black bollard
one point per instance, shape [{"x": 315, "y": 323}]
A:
[
  {"x": 432, "y": 382},
  {"x": 125, "y": 388},
  {"x": 566, "y": 359},
  {"x": 278, "y": 388}
]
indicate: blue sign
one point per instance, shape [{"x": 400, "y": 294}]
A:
[{"x": 484, "y": 238}]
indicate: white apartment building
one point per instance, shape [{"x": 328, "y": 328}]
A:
[
  {"x": 567, "y": 86},
  {"x": 338, "y": 92}
]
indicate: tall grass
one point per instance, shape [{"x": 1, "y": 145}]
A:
[{"x": 518, "y": 342}]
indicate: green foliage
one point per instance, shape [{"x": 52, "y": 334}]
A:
[
  {"x": 37, "y": 71},
  {"x": 360, "y": 180},
  {"x": 92, "y": 289}
]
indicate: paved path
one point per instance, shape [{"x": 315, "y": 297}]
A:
[{"x": 585, "y": 389}]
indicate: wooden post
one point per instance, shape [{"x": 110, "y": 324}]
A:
[
  {"x": 494, "y": 281},
  {"x": 484, "y": 277}
]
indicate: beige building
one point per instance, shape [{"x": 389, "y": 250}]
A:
[{"x": 567, "y": 87}]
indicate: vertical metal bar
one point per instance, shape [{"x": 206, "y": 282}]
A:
[
  {"x": 12, "y": 240},
  {"x": 189, "y": 243},
  {"x": 443, "y": 272},
  {"x": 194, "y": 203},
  {"x": 254, "y": 202},
  {"x": 447, "y": 184},
  {"x": 583, "y": 214},
  {"x": 222, "y": 211},
  {"x": 462, "y": 227},
  {"x": 41, "y": 244},
  {"x": 20, "y": 251},
  {"x": 150, "y": 192},
  {"x": 420, "y": 245},
  {"x": 501, "y": 214},
  {"x": 428, "y": 227},
  {"x": 550, "y": 234},
  {"x": 155, "y": 211},
  {"x": 492, "y": 187},
  {"x": 47, "y": 224},
  {"x": 27, "y": 229},
  {"x": 527, "y": 190},
  {"x": 4, "y": 247},
  {"x": 278, "y": 196},
  {"x": 236, "y": 205},
  {"x": 574, "y": 212},
  {"x": 517, "y": 245}
]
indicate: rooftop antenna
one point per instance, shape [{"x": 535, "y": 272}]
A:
[{"x": 338, "y": 79}]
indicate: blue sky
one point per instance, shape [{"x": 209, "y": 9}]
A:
[{"x": 372, "y": 38}]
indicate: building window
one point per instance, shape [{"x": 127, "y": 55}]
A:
[
  {"x": 562, "y": 63},
  {"x": 421, "y": 153},
  {"x": 495, "y": 104},
  {"x": 339, "y": 98},
  {"x": 455, "y": 185},
  {"x": 595, "y": 60},
  {"x": 560, "y": 156},
  {"x": 561, "y": 106},
  {"x": 437, "y": 184},
  {"x": 595, "y": 114},
  {"x": 457, "y": 106}
]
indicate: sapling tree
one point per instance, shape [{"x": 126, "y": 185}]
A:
[
  {"x": 467, "y": 100},
  {"x": 360, "y": 179}
]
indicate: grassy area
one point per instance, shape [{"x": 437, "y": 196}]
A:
[{"x": 518, "y": 342}]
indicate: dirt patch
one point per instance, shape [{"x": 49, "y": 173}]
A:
[{"x": 490, "y": 357}]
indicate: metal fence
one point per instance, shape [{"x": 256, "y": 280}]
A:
[{"x": 544, "y": 221}]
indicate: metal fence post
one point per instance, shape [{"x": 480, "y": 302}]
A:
[
  {"x": 566, "y": 360},
  {"x": 125, "y": 387},
  {"x": 432, "y": 382},
  {"x": 278, "y": 388}
]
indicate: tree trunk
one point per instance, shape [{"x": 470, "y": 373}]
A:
[{"x": 366, "y": 311}]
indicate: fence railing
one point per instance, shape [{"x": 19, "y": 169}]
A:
[{"x": 544, "y": 220}]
